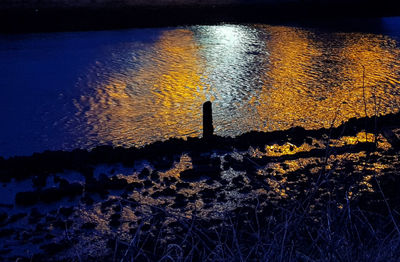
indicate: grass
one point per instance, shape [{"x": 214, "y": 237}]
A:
[{"x": 291, "y": 230}]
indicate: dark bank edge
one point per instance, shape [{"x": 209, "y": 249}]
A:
[
  {"x": 65, "y": 18},
  {"x": 20, "y": 167}
]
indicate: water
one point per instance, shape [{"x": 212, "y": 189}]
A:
[{"x": 132, "y": 87}]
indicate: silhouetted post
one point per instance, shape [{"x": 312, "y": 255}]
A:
[{"x": 208, "y": 129}]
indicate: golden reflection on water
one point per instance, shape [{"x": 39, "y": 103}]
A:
[
  {"x": 156, "y": 100},
  {"x": 259, "y": 78},
  {"x": 319, "y": 84}
]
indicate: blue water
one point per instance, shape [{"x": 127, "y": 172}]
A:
[{"x": 60, "y": 91}]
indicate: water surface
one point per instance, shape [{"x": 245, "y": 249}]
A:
[{"x": 132, "y": 87}]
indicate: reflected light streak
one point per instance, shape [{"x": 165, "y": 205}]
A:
[{"x": 259, "y": 78}]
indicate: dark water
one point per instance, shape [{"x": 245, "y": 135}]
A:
[{"x": 132, "y": 87}]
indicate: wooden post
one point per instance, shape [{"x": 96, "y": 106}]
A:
[{"x": 208, "y": 129}]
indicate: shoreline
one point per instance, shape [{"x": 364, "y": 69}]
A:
[
  {"x": 118, "y": 202},
  {"x": 70, "y": 18},
  {"x": 20, "y": 167}
]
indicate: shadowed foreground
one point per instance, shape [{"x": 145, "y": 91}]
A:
[{"x": 294, "y": 195}]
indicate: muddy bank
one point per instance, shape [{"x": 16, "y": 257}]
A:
[{"x": 30, "y": 17}]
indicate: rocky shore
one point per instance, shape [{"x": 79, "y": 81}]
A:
[{"x": 273, "y": 193}]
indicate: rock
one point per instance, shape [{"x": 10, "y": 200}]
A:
[
  {"x": 16, "y": 217},
  {"x": 66, "y": 211},
  {"x": 89, "y": 225},
  {"x": 117, "y": 183},
  {"x": 3, "y": 216},
  {"x": 166, "y": 192},
  {"x": 26, "y": 198},
  {"x": 180, "y": 201},
  {"x": 145, "y": 173},
  {"x": 74, "y": 189},
  {"x": 54, "y": 248},
  {"x": 51, "y": 195},
  {"x": 87, "y": 199},
  {"x": 7, "y": 232},
  {"x": 169, "y": 180},
  {"x": 34, "y": 216},
  {"x": 181, "y": 185},
  {"x": 134, "y": 185},
  {"x": 148, "y": 183},
  {"x": 87, "y": 172},
  {"x": 117, "y": 208},
  {"x": 114, "y": 220},
  {"x": 62, "y": 224},
  {"x": 238, "y": 181},
  {"x": 208, "y": 193},
  {"x": 39, "y": 181},
  {"x": 204, "y": 172}
]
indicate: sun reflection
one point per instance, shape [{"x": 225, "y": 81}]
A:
[
  {"x": 159, "y": 99},
  {"x": 308, "y": 87},
  {"x": 259, "y": 77}
]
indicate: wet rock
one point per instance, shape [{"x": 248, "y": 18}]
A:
[
  {"x": 223, "y": 182},
  {"x": 87, "y": 199},
  {"x": 163, "y": 163},
  {"x": 49, "y": 236},
  {"x": 107, "y": 204},
  {"x": 62, "y": 224},
  {"x": 166, "y": 193},
  {"x": 87, "y": 172},
  {"x": 221, "y": 197},
  {"x": 208, "y": 193},
  {"x": 238, "y": 181},
  {"x": 155, "y": 176},
  {"x": 169, "y": 180},
  {"x": 50, "y": 218},
  {"x": 5, "y": 251},
  {"x": 40, "y": 228},
  {"x": 89, "y": 225},
  {"x": 66, "y": 211},
  {"x": 3, "y": 216},
  {"x": 114, "y": 220},
  {"x": 146, "y": 227},
  {"x": 16, "y": 217},
  {"x": 145, "y": 173},
  {"x": 205, "y": 172},
  {"x": 117, "y": 183},
  {"x": 245, "y": 190},
  {"x": 39, "y": 181},
  {"x": 181, "y": 185},
  {"x": 117, "y": 208},
  {"x": 25, "y": 235},
  {"x": 133, "y": 231},
  {"x": 34, "y": 216},
  {"x": 73, "y": 189},
  {"x": 51, "y": 195},
  {"x": 133, "y": 186},
  {"x": 233, "y": 163},
  {"x": 94, "y": 186},
  {"x": 7, "y": 232},
  {"x": 54, "y": 248},
  {"x": 180, "y": 201},
  {"x": 37, "y": 240},
  {"x": 26, "y": 198},
  {"x": 148, "y": 183}
]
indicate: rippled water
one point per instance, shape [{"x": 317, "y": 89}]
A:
[{"x": 132, "y": 87}]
